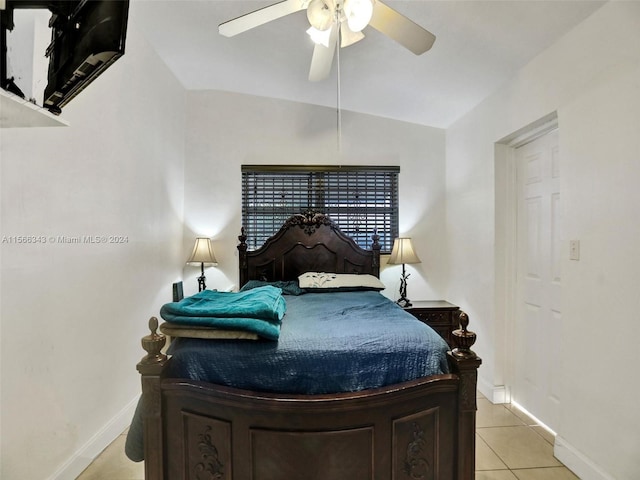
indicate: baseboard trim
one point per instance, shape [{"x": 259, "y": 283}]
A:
[
  {"x": 494, "y": 393},
  {"x": 577, "y": 462},
  {"x": 79, "y": 461}
]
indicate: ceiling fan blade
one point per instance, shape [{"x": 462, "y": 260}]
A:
[
  {"x": 347, "y": 36},
  {"x": 323, "y": 57},
  {"x": 260, "y": 17},
  {"x": 398, "y": 27}
]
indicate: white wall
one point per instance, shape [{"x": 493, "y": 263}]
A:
[
  {"x": 228, "y": 130},
  {"x": 73, "y": 314},
  {"x": 591, "y": 78}
]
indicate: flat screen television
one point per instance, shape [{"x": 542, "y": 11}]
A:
[{"x": 87, "y": 36}]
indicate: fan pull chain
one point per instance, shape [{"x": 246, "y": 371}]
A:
[{"x": 339, "y": 111}]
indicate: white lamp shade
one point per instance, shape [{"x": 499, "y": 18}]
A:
[
  {"x": 403, "y": 252},
  {"x": 203, "y": 252}
]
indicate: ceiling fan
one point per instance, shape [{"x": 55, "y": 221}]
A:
[{"x": 333, "y": 20}]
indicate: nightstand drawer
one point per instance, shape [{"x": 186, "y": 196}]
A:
[
  {"x": 432, "y": 317},
  {"x": 440, "y": 315}
]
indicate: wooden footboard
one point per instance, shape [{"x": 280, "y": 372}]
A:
[{"x": 420, "y": 429}]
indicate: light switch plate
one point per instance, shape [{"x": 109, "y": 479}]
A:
[{"x": 574, "y": 249}]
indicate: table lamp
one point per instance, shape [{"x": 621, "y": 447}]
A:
[
  {"x": 202, "y": 254},
  {"x": 403, "y": 253}
]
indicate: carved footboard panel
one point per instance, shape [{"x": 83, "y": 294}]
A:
[{"x": 407, "y": 432}]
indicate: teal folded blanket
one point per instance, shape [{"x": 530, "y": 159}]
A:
[
  {"x": 259, "y": 310},
  {"x": 262, "y": 328}
]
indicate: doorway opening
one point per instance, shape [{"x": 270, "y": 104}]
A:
[{"x": 528, "y": 281}]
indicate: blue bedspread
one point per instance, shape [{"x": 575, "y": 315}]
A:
[{"x": 329, "y": 342}]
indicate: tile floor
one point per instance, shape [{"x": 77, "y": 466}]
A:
[{"x": 509, "y": 446}]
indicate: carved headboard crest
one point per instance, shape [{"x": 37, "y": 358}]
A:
[
  {"x": 306, "y": 242},
  {"x": 309, "y": 221}
]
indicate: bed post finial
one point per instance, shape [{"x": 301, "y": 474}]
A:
[
  {"x": 242, "y": 237},
  {"x": 242, "y": 254},
  {"x": 463, "y": 338},
  {"x": 375, "y": 247},
  {"x": 153, "y": 344}
]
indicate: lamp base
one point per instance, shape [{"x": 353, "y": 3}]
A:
[
  {"x": 201, "y": 284},
  {"x": 201, "y": 279},
  {"x": 404, "y": 302}
]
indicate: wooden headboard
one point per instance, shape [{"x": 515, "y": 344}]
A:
[{"x": 307, "y": 242}]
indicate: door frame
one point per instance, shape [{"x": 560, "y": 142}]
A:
[{"x": 505, "y": 258}]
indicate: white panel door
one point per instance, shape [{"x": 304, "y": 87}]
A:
[{"x": 538, "y": 310}]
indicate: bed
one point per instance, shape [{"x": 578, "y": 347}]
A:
[{"x": 385, "y": 428}]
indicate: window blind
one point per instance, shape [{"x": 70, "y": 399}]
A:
[{"x": 358, "y": 199}]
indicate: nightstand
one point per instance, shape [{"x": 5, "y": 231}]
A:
[{"x": 440, "y": 315}]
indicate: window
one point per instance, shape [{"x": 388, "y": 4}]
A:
[{"x": 357, "y": 199}]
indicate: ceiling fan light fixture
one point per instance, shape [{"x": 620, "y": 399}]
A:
[
  {"x": 358, "y": 13},
  {"x": 320, "y": 14},
  {"x": 337, "y": 19},
  {"x": 320, "y": 37}
]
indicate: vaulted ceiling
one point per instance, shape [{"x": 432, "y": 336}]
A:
[{"x": 479, "y": 45}]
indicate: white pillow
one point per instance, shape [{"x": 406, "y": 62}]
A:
[{"x": 341, "y": 281}]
